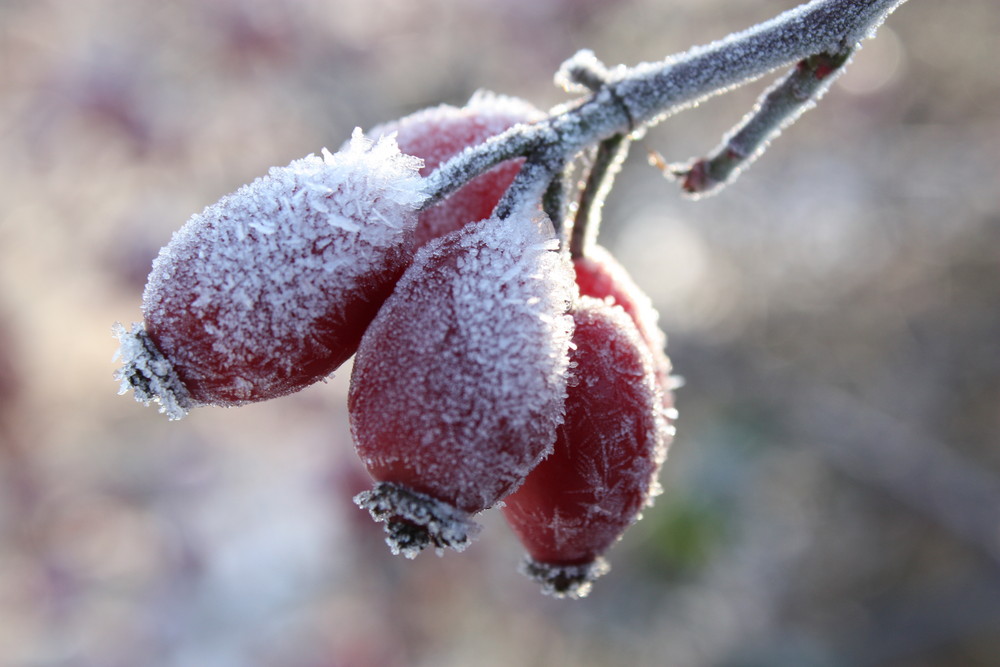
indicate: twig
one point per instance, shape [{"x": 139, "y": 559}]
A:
[
  {"x": 582, "y": 73},
  {"x": 534, "y": 179},
  {"x": 780, "y": 106},
  {"x": 608, "y": 160},
  {"x": 635, "y": 98}
]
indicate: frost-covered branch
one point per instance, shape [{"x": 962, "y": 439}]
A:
[
  {"x": 779, "y": 107},
  {"x": 650, "y": 90},
  {"x": 608, "y": 161},
  {"x": 532, "y": 182},
  {"x": 626, "y": 100},
  {"x": 582, "y": 73}
]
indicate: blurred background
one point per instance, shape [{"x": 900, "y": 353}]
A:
[{"x": 832, "y": 496}]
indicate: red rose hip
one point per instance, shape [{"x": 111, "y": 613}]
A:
[
  {"x": 271, "y": 288},
  {"x": 438, "y": 133},
  {"x": 601, "y": 276},
  {"x": 458, "y": 384},
  {"x": 578, "y": 501}
]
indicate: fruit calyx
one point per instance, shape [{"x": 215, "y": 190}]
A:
[
  {"x": 147, "y": 372},
  {"x": 565, "y": 580},
  {"x": 414, "y": 520}
]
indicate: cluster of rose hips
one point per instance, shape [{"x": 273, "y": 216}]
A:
[{"x": 492, "y": 367}]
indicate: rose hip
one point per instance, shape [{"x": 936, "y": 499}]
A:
[
  {"x": 459, "y": 382},
  {"x": 601, "y": 276},
  {"x": 271, "y": 288},
  {"x": 438, "y": 133},
  {"x": 578, "y": 501}
]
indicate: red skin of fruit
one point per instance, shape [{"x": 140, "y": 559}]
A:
[
  {"x": 270, "y": 289},
  {"x": 579, "y": 500},
  {"x": 599, "y": 275},
  {"x": 434, "y": 135},
  {"x": 209, "y": 373},
  {"x": 458, "y": 384},
  {"x": 439, "y": 133},
  {"x": 266, "y": 359}
]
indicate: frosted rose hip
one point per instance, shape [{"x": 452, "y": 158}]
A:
[
  {"x": 459, "y": 382},
  {"x": 578, "y": 501},
  {"x": 438, "y": 133},
  {"x": 601, "y": 276},
  {"x": 271, "y": 288}
]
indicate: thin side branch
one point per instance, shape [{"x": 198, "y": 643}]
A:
[
  {"x": 582, "y": 73},
  {"x": 530, "y": 185},
  {"x": 608, "y": 161},
  {"x": 780, "y": 106},
  {"x": 635, "y": 98},
  {"x": 517, "y": 141},
  {"x": 556, "y": 199}
]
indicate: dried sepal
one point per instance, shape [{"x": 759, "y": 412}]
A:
[
  {"x": 149, "y": 374},
  {"x": 414, "y": 521},
  {"x": 565, "y": 580}
]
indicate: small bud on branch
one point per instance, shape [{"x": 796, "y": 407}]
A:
[{"x": 608, "y": 161}]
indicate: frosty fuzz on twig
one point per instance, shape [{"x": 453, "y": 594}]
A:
[{"x": 503, "y": 356}]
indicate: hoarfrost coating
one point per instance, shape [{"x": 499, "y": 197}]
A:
[
  {"x": 601, "y": 276},
  {"x": 459, "y": 384},
  {"x": 635, "y": 98},
  {"x": 489, "y": 114},
  {"x": 270, "y": 289},
  {"x": 438, "y": 133},
  {"x": 602, "y": 471}
]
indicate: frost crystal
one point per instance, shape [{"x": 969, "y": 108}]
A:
[
  {"x": 581, "y": 73},
  {"x": 438, "y": 133},
  {"x": 577, "y": 502},
  {"x": 146, "y": 371},
  {"x": 270, "y": 289},
  {"x": 485, "y": 114},
  {"x": 459, "y": 383},
  {"x": 414, "y": 521},
  {"x": 565, "y": 581}
]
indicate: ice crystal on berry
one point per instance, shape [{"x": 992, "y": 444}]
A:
[
  {"x": 271, "y": 288},
  {"x": 148, "y": 373},
  {"x": 414, "y": 521},
  {"x": 459, "y": 383},
  {"x": 438, "y": 133},
  {"x": 577, "y": 502}
]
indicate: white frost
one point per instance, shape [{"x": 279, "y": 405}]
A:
[
  {"x": 485, "y": 114},
  {"x": 565, "y": 581},
  {"x": 148, "y": 373},
  {"x": 463, "y": 372},
  {"x": 259, "y": 267}
]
